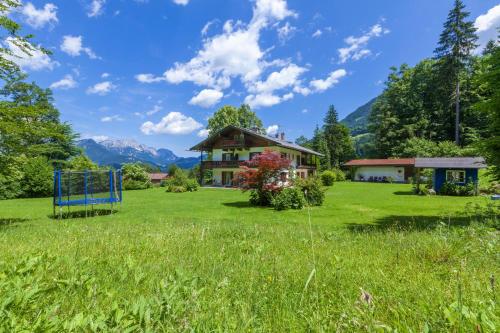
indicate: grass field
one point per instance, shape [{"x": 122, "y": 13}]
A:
[{"x": 373, "y": 258}]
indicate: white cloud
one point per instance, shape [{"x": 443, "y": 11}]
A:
[
  {"x": 101, "y": 88},
  {"x": 317, "y": 34},
  {"x": 207, "y": 98},
  {"x": 286, "y": 32},
  {"x": 206, "y": 27},
  {"x": 181, "y": 2},
  {"x": 260, "y": 100},
  {"x": 38, "y": 18},
  {"x": 36, "y": 60},
  {"x": 105, "y": 75},
  {"x": 172, "y": 123},
  {"x": 487, "y": 25},
  {"x": 96, "y": 8},
  {"x": 67, "y": 82},
  {"x": 331, "y": 80},
  {"x": 109, "y": 119},
  {"x": 356, "y": 46},
  {"x": 305, "y": 110},
  {"x": 73, "y": 45},
  {"x": 235, "y": 53},
  {"x": 157, "y": 108},
  {"x": 148, "y": 78},
  {"x": 203, "y": 133},
  {"x": 286, "y": 77},
  {"x": 272, "y": 130}
]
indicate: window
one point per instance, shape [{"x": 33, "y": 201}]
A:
[
  {"x": 455, "y": 176},
  {"x": 229, "y": 157}
]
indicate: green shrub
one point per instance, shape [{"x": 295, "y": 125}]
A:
[
  {"x": 289, "y": 198},
  {"x": 328, "y": 178},
  {"x": 453, "y": 189},
  {"x": 10, "y": 181},
  {"x": 176, "y": 189},
  {"x": 130, "y": 184},
  {"x": 312, "y": 189},
  {"x": 135, "y": 177},
  {"x": 192, "y": 185},
  {"x": 177, "y": 180},
  {"x": 339, "y": 175},
  {"x": 38, "y": 179}
]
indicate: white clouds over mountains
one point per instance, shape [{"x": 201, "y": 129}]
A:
[{"x": 173, "y": 123}]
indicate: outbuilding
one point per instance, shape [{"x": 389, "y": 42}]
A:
[
  {"x": 397, "y": 170},
  {"x": 457, "y": 170}
]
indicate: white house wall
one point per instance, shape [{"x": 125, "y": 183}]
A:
[{"x": 395, "y": 172}]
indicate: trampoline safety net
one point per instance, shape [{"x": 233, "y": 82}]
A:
[{"x": 92, "y": 187}]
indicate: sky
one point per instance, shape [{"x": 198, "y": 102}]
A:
[{"x": 155, "y": 70}]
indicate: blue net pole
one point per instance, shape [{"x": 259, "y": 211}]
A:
[{"x": 85, "y": 189}]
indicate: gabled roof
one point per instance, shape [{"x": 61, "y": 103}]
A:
[
  {"x": 158, "y": 176},
  {"x": 276, "y": 141},
  {"x": 450, "y": 162},
  {"x": 382, "y": 162}
]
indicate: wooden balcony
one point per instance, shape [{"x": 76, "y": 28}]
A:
[
  {"x": 226, "y": 143},
  {"x": 221, "y": 164}
]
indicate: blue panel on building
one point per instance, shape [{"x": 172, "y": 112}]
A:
[{"x": 439, "y": 177}]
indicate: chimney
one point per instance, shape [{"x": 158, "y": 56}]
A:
[{"x": 282, "y": 136}]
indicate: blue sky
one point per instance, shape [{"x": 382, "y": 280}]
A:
[{"x": 155, "y": 70}]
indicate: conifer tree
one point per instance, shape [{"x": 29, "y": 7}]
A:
[
  {"x": 456, "y": 43},
  {"x": 338, "y": 140}
]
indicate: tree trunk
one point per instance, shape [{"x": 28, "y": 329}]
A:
[{"x": 457, "y": 114}]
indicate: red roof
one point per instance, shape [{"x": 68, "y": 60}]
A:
[
  {"x": 382, "y": 162},
  {"x": 158, "y": 176}
]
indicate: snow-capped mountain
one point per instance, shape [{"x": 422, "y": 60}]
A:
[{"x": 115, "y": 152}]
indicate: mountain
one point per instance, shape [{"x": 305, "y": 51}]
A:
[
  {"x": 357, "y": 121},
  {"x": 117, "y": 152}
]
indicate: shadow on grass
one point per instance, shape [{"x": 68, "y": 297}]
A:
[
  {"x": 242, "y": 204},
  {"x": 405, "y": 193},
  {"x": 410, "y": 223},
  {"x": 82, "y": 214},
  {"x": 10, "y": 221}
]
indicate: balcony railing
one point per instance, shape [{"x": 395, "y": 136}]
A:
[
  {"x": 221, "y": 164},
  {"x": 227, "y": 143}
]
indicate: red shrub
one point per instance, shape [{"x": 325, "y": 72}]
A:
[{"x": 261, "y": 175}]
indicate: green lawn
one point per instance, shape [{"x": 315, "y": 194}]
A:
[{"x": 207, "y": 261}]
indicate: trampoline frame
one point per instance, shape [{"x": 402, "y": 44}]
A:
[{"x": 115, "y": 191}]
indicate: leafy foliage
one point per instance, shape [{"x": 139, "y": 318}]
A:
[
  {"x": 229, "y": 115},
  {"x": 490, "y": 105},
  {"x": 453, "y": 189},
  {"x": 328, "y": 177},
  {"x": 312, "y": 189},
  {"x": 261, "y": 176},
  {"x": 179, "y": 182},
  {"x": 135, "y": 177},
  {"x": 289, "y": 198},
  {"x": 82, "y": 162}
]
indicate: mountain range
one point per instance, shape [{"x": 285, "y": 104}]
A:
[
  {"x": 357, "y": 121},
  {"x": 116, "y": 152}
]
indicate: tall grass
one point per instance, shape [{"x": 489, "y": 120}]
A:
[{"x": 247, "y": 269}]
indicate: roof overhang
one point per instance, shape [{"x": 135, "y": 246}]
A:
[
  {"x": 451, "y": 162},
  {"x": 206, "y": 144}
]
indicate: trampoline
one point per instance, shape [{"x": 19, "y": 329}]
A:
[{"x": 86, "y": 188}]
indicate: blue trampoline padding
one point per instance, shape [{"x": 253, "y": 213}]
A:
[{"x": 87, "y": 202}]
